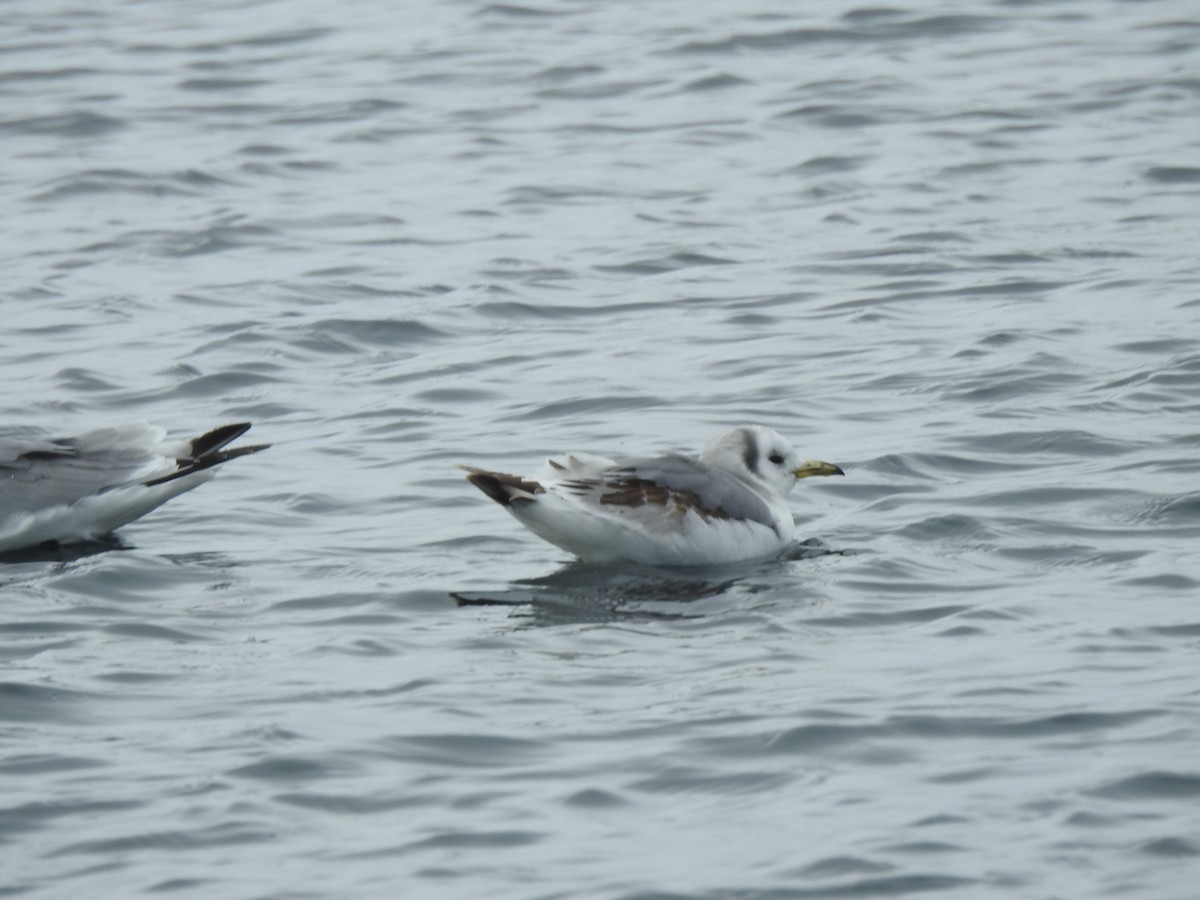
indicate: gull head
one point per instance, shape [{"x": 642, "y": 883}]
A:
[{"x": 763, "y": 457}]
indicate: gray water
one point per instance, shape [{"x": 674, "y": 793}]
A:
[{"x": 952, "y": 247}]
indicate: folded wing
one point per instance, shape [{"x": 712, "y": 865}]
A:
[
  {"x": 656, "y": 493},
  {"x": 80, "y": 487}
]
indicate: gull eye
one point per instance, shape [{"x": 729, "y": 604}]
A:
[{"x": 775, "y": 458}]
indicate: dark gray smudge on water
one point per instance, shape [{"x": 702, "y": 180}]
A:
[{"x": 952, "y": 249}]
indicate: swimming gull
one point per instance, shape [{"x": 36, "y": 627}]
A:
[
  {"x": 724, "y": 506},
  {"x": 64, "y": 490}
]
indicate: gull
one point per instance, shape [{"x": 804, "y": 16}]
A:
[
  {"x": 727, "y": 505},
  {"x": 66, "y": 490}
]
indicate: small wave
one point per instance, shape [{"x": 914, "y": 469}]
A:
[
  {"x": 1154, "y": 785},
  {"x": 1173, "y": 174},
  {"x": 81, "y": 124}
]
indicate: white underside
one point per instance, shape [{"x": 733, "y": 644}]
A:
[
  {"x": 595, "y": 534},
  {"x": 93, "y": 516}
]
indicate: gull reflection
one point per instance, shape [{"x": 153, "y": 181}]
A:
[{"x": 583, "y": 592}]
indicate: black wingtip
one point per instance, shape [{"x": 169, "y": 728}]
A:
[
  {"x": 217, "y": 438},
  {"x": 206, "y": 452},
  {"x": 491, "y": 486},
  {"x": 504, "y": 489}
]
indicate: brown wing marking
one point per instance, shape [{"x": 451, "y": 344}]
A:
[{"x": 635, "y": 492}]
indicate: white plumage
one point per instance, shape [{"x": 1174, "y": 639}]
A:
[
  {"x": 727, "y": 505},
  {"x": 64, "y": 490}
]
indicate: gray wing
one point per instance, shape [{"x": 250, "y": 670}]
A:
[
  {"x": 58, "y": 473},
  {"x": 676, "y": 483},
  {"x": 37, "y": 473},
  {"x": 15, "y": 442}
]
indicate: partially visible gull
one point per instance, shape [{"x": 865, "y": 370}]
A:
[
  {"x": 727, "y": 505},
  {"x": 64, "y": 490}
]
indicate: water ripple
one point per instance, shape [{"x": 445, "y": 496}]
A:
[{"x": 951, "y": 250}]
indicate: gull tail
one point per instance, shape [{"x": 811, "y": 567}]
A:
[
  {"x": 506, "y": 490},
  {"x": 207, "y": 451}
]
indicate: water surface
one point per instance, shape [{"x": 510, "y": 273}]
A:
[{"x": 952, "y": 248}]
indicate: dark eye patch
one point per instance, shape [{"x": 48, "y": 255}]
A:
[
  {"x": 775, "y": 458},
  {"x": 750, "y": 450}
]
